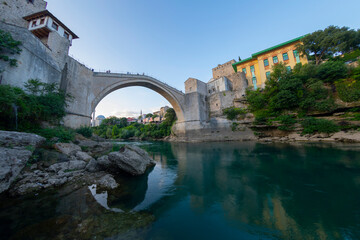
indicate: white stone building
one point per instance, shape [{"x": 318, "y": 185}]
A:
[{"x": 219, "y": 85}]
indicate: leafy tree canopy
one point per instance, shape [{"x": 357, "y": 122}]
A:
[{"x": 328, "y": 42}]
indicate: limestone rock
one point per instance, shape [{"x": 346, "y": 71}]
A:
[
  {"x": 20, "y": 139},
  {"x": 92, "y": 166},
  {"x": 107, "y": 181},
  {"x": 95, "y": 147},
  {"x": 67, "y": 166},
  {"x": 104, "y": 162},
  {"x": 83, "y": 156},
  {"x": 67, "y": 148},
  {"x": 131, "y": 159},
  {"x": 297, "y": 137},
  {"x": 351, "y": 136},
  {"x": 12, "y": 161}
]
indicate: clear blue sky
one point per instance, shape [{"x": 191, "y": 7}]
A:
[{"x": 176, "y": 39}]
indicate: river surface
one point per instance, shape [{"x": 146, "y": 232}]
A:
[{"x": 230, "y": 190}]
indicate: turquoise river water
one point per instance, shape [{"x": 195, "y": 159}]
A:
[{"x": 228, "y": 190}]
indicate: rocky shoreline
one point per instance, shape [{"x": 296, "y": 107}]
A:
[{"x": 26, "y": 167}]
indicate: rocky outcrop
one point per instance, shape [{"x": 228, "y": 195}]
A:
[
  {"x": 67, "y": 166},
  {"x": 107, "y": 181},
  {"x": 67, "y": 148},
  {"x": 130, "y": 159},
  {"x": 95, "y": 147},
  {"x": 15, "y": 151},
  {"x": 20, "y": 139},
  {"x": 83, "y": 156},
  {"x": 12, "y": 161},
  {"x": 342, "y": 136}
]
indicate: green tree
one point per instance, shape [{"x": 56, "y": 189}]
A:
[
  {"x": 332, "y": 40},
  {"x": 115, "y": 131},
  {"x": 108, "y": 133},
  {"x": 170, "y": 117}
]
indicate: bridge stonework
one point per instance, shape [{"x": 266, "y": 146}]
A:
[{"x": 88, "y": 88}]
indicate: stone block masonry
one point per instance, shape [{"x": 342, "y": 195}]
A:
[{"x": 13, "y": 11}]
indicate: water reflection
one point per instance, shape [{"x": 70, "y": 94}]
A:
[
  {"x": 208, "y": 191},
  {"x": 306, "y": 191}
]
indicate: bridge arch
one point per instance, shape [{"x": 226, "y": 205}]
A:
[{"x": 106, "y": 83}]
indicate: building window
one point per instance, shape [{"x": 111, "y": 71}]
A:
[
  {"x": 267, "y": 75},
  {"x": 254, "y": 83},
  {"x": 42, "y": 21},
  {"x": 55, "y": 26},
  {"x": 296, "y": 56},
  {"x": 275, "y": 60},
  {"x": 288, "y": 68},
  {"x": 66, "y": 35},
  {"x": 266, "y": 62},
  {"x": 244, "y": 70},
  {"x": 285, "y": 56},
  {"x": 33, "y": 23}
]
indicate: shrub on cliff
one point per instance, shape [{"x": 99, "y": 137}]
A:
[
  {"x": 287, "y": 121},
  {"x": 8, "y": 46},
  {"x": 232, "y": 113},
  {"x": 312, "y": 125}
]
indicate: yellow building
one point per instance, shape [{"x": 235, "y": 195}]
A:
[{"x": 257, "y": 68}]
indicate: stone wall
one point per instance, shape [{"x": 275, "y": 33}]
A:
[
  {"x": 216, "y": 129},
  {"x": 78, "y": 83},
  {"x": 239, "y": 82},
  {"x": 59, "y": 47},
  {"x": 34, "y": 62},
  {"x": 195, "y": 85},
  {"x": 223, "y": 70},
  {"x": 13, "y": 11},
  {"x": 219, "y": 85}
]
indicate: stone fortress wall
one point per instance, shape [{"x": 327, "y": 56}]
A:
[{"x": 223, "y": 70}]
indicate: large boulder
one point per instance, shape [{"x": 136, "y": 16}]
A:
[
  {"x": 83, "y": 156},
  {"x": 95, "y": 147},
  {"x": 67, "y": 148},
  {"x": 131, "y": 159},
  {"x": 20, "y": 139},
  {"x": 12, "y": 161}
]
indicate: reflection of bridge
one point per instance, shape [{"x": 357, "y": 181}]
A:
[{"x": 89, "y": 88}]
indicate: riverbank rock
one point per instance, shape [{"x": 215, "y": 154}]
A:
[
  {"x": 95, "y": 147},
  {"x": 351, "y": 136},
  {"x": 20, "y": 139},
  {"x": 83, "y": 156},
  {"x": 67, "y": 148},
  {"x": 67, "y": 166},
  {"x": 130, "y": 159},
  {"x": 12, "y": 161},
  {"x": 107, "y": 181}
]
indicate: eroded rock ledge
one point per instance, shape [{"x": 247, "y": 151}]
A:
[{"x": 88, "y": 162}]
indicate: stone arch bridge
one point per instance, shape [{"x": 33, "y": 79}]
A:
[{"x": 89, "y": 89}]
